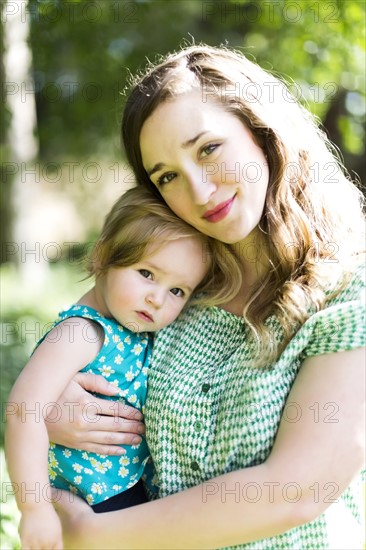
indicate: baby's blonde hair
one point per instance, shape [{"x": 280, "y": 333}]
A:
[{"x": 139, "y": 220}]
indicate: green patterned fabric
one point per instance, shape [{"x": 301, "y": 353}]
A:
[{"x": 209, "y": 412}]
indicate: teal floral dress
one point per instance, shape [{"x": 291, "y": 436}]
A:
[
  {"x": 124, "y": 361},
  {"x": 209, "y": 411}
]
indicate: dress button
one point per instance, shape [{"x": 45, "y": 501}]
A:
[
  {"x": 198, "y": 426},
  {"x": 205, "y": 387},
  {"x": 195, "y": 466}
]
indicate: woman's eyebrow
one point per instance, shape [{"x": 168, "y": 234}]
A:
[
  {"x": 192, "y": 141},
  {"x": 184, "y": 145},
  {"x": 155, "y": 168}
]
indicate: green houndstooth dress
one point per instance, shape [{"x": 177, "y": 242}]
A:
[{"x": 209, "y": 412}]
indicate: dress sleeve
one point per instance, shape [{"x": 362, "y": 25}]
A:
[{"x": 340, "y": 326}]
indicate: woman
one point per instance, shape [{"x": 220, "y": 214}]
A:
[{"x": 254, "y": 411}]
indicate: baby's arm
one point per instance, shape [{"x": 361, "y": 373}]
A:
[{"x": 63, "y": 353}]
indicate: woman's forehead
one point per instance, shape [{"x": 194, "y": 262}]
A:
[{"x": 180, "y": 123}]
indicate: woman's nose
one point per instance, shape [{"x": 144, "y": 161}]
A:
[{"x": 201, "y": 185}]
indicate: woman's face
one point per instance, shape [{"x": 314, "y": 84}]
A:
[{"x": 206, "y": 165}]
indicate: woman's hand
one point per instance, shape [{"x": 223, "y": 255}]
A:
[{"x": 82, "y": 421}]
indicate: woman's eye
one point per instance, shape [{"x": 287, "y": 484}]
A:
[
  {"x": 177, "y": 292},
  {"x": 145, "y": 273},
  {"x": 208, "y": 149},
  {"x": 166, "y": 178}
]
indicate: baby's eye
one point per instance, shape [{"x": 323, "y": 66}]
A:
[
  {"x": 145, "y": 273},
  {"x": 165, "y": 178},
  {"x": 208, "y": 149},
  {"x": 177, "y": 292}
]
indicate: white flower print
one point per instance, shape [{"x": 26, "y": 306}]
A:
[
  {"x": 106, "y": 371},
  {"x": 136, "y": 385},
  {"x": 90, "y": 499},
  {"x": 123, "y": 472},
  {"x": 137, "y": 349},
  {"x": 127, "y": 340},
  {"x": 118, "y": 359},
  {"x": 88, "y": 471},
  {"x": 77, "y": 467},
  {"x": 102, "y": 359},
  {"x": 130, "y": 484},
  {"x": 51, "y": 473},
  {"x": 120, "y": 346},
  {"x": 132, "y": 398},
  {"x": 78, "y": 480},
  {"x": 53, "y": 462},
  {"x": 129, "y": 375},
  {"x": 99, "y": 467},
  {"x": 98, "y": 488},
  {"x": 67, "y": 453}
]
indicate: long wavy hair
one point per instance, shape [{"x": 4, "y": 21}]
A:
[{"x": 312, "y": 221}]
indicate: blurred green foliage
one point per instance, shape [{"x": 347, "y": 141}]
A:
[{"x": 83, "y": 51}]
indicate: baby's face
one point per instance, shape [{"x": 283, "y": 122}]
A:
[{"x": 150, "y": 294}]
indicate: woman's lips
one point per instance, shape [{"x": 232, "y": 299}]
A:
[{"x": 219, "y": 212}]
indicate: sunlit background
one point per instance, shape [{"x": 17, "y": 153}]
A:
[{"x": 64, "y": 65}]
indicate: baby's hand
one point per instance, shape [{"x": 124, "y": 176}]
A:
[{"x": 40, "y": 529}]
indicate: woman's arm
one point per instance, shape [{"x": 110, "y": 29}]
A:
[
  {"x": 82, "y": 421},
  {"x": 40, "y": 383},
  {"x": 325, "y": 445}
]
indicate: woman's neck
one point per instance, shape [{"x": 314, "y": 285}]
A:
[{"x": 252, "y": 254}]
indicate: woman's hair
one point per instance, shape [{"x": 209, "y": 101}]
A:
[
  {"x": 137, "y": 221},
  {"x": 312, "y": 219}
]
